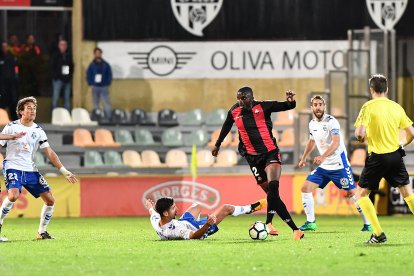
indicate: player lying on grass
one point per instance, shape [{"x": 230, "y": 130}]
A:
[
  {"x": 333, "y": 165},
  {"x": 164, "y": 211}
]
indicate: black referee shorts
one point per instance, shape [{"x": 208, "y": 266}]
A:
[
  {"x": 258, "y": 164},
  {"x": 389, "y": 166}
]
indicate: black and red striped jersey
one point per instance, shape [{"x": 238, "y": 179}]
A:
[{"x": 254, "y": 125}]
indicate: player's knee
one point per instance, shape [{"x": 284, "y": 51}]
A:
[
  {"x": 13, "y": 196},
  {"x": 50, "y": 201},
  {"x": 306, "y": 189},
  {"x": 274, "y": 187}
]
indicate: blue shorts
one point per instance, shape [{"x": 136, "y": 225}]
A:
[
  {"x": 187, "y": 216},
  {"x": 33, "y": 182},
  {"x": 342, "y": 178}
]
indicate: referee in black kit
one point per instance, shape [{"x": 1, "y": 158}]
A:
[{"x": 260, "y": 149}]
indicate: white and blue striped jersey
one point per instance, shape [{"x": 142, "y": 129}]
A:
[
  {"x": 20, "y": 153},
  {"x": 321, "y": 132},
  {"x": 174, "y": 230}
]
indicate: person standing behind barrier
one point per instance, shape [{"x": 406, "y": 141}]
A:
[
  {"x": 62, "y": 72},
  {"x": 31, "y": 67},
  {"x": 99, "y": 77},
  {"x": 379, "y": 121},
  {"x": 8, "y": 80}
]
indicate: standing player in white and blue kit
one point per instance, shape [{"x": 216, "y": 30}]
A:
[
  {"x": 333, "y": 162},
  {"x": 19, "y": 169}
]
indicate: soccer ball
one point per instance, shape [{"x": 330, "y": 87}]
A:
[{"x": 258, "y": 231}]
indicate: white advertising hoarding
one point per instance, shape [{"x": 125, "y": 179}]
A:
[{"x": 223, "y": 60}]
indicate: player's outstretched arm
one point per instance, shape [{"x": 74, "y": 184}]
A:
[
  {"x": 149, "y": 204},
  {"x": 12, "y": 136},
  {"x": 200, "y": 232},
  {"x": 290, "y": 96},
  {"x": 53, "y": 157},
  {"x": 310, "y": 145}
]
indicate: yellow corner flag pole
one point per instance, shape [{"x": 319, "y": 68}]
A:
[{"x": 194, "y": 164}]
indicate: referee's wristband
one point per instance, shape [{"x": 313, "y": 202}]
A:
[{"x": 64, "y": 171}]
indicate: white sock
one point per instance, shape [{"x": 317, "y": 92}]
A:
[
  {"x": 5, "y": 208},
  {"x": 240, "y": 210},
  {"x": 308, "y": 203},
  {"x": 45, "y": 217},
  {"x": 366, "y": 221}
]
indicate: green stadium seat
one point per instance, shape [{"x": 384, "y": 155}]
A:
[
  {"x": 113, "y": 159},
  {"x": 198, "y": 137},
  {"x": 92, "y": 159},
  {"x": 143, "y": 137},
  {"x": 194, "y": 117},
  {"x": 124, "y": 137},
  {"x": 216, "y": 117},
  {"x": 40, "y": 162},
  {"x": 172, "y": 138}
]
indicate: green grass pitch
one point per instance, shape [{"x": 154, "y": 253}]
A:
[{"x": 129, "y": 246}]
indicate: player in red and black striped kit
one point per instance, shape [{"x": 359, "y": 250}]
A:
[{"x": 260, "y": 149}]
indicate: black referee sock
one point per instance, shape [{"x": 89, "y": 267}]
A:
[{"x": 276, "y": 205}]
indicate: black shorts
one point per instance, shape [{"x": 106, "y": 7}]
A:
[
  {"x": 389, "y": 166},
  {"x": 258, "y": 164}
]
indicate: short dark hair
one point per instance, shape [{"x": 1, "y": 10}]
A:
[
  {"x": 317, "y": 97},
  {"x": 22, "y": 102},
  {"x": 378, "y": 83},
  {"x": 246, "y": 90},
  {"x": 97, "y": 49},
  {"x": 163, "y": 204}
]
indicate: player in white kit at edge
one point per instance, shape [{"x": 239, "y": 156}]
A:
[
  {"x": 324, "y": 132},
  {"x": 19, "y": 170}
]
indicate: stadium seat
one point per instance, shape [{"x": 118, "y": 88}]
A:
[
  {"x": 205, "y": 159},
  {"x": 287, "y": 138},
  {"x": 214, "y": 136},
  {"x": 275, "y": 134},
  {"x": 172, "y": 138},
  {"x": 143, "y": 137},
  {"x": 124, "y": 137},
  {"x": 167, "y": 117},
  {"x": 176, "y": 158},
  {"x": 151, "y": 159},
  {"x": 235, "y": 141},
  {"x": 140, "y": 117},
  {"x": 4, "y": 117},
  {"x": 285, "y": 118},
  {"x": 83, "y": 138},
  {"x": 40, "y": 162},
  {"x": 358, "y": 157},
  {"x": 61, "y": 117},
  {"x": 70, "y": 161},
  {"x": 119, "y": 117},
  {"x": 104, "y": 138},
  {"x": 80, "y": 116},
  {"x": 132, "y": 159},
  {"x": 216, "y": 117},
  {"x": 93, "y": 158},
  {"x": 113, "y": 159},
  {"x": 194, "y": 117},
  {"x": 226, "y": 158},
  {"x": 197, "y": 137},
  {"x": 99, "y": 116}
]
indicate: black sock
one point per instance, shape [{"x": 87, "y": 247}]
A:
[{"x": 276, "y": 205}]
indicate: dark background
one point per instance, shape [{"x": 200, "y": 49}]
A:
[{"x": 237, "y": 20}]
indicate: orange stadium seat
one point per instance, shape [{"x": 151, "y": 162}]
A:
[
  {"x": 83, "y": 138},
  {"x": 104, "y": 138},
  {"x": 151, "y": 159},
  {"x": 235, "y": 141},
  {"x": 204, "y": 158},
  {"x": 214, "y": 136},
  {"x": 288, "y": 138},
  {"x": 176, "y": 158},
  {"x": 132, "y": 159},
  {"x": 226, "y": 158},
  {"x": 285, "y": 118}
]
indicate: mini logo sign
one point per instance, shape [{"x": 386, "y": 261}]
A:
[
  {"x": 185, "y": 191},
  {"x": 162, "y": 60},
  {"x": 386, "y": 13},
  {"x": 195, "y": 15}
]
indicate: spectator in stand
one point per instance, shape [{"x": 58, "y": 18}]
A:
[
  {"x": 99, "y": 77},
  {"x": 14, "y": 44},
  {"x": 31, "y": 62},
  {"x": 62, "y": 72},
  {"x": 8, "y": 80}
]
